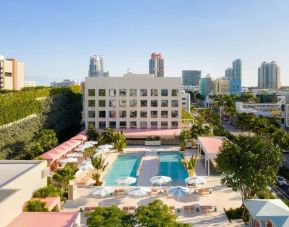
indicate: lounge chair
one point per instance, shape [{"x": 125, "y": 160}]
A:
[
  {"x": 206, "y": 209},
  {"x": 203, "y": 191},
  {"x": 190, "y": 209}
]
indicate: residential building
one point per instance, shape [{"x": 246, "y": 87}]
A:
[
  {"x": 186, "y": 101},
  {"x": 18, "y": 180},
  {"x": 206, "y": 86},
  {"x": 234, "y": 75},
  {"x": 237, "y": 69},
  {"x": 267, "y": 212},
  {"x": 64, "y": 83},
  {"x": 229, "y": 74},
  {"x": 11, "y": 74},
  {"x": 221, "y": 87},
  {"x": 96, "y": 67},
  {"x": 29, "y": 83},
  {"x": 156, "y": 65},
  {"x": 133, "y": 102},
  {"x": 190, "y": 78},
  {"x": 269, "y": 76}
]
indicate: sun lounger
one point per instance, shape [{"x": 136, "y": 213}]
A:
[
  {"x": 206, "y": 209},
  {"x": 154, "y": 191},
  {"x": 190, "y": 209},
  {"x": 89, "y": 208},
  {"x": 119, "y": 192},
  {"x": 203, "y": 191}
]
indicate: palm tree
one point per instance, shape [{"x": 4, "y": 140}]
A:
[
  {"x": 99, "y": 164},
  {"x": 119, "y": 141}
]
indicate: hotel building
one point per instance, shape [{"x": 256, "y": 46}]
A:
[{"x": 133, "y": 102}]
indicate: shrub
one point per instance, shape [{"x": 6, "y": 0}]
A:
[
  {"x": 48, "y": 191},
  {"x": 55, "y": 209},
  {"x": 35, "y": 206},
  {"x": 235, "y": 213}
]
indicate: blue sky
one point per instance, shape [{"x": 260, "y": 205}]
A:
[{"x": 54, "y": 38}]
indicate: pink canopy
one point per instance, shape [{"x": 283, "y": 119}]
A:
[{"x": 80, "y": 136}]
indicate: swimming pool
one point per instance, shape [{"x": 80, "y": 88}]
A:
[
  {"x": 124, "y": 166},
  {"x": 170, "y": 165}
]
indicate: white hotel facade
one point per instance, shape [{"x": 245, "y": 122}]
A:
[{"x": 133, "y": 102}]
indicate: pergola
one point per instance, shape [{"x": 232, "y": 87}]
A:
[{"x": 209, "y": 147}]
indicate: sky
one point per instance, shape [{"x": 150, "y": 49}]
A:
[{"x": 55, "y": 38}]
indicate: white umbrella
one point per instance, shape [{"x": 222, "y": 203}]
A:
[
  {"x": 126, "y": 180},
  {"x": 86, "y": 167},
  {"x": 91, "y": 142},
  {"x": 101, "y": 191},
  {"x": 195, "y": 180},
  {"x": 74, "y": 155},
  {"x": 67, "y": 160},
  {"x": 160, "y": 180},
  {"x": 178, "y": 191},
  {"x": 138, "y": 191}
]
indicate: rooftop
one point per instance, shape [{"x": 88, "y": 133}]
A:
[
  {"x": 15, "y": 168},
  {"x": 44, "y": 219},
  {"x": 211, "y": 144}
]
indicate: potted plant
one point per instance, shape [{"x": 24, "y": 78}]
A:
[{"x": 153, "y": 141}]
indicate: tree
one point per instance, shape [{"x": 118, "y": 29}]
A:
[
  {"x": 156, "y": 214},
  {"x": 119, "y": 141},
  {"x": 281, "y": 138},
  {"x": 48, "y": 191},
  {"x": 64, "y": 176},
  {"x": 250, "y": 164},
  {"x": 92, "y": 134},
  {"x": 99, "y": 164},
  {"x": 183, "y": 137},
  {"x": 109, "y": 216},
  {"x": 35, "y": 206},
  {"x": 262, "y": 126},
  {"x": 197, "y": 130},
  {"x": 88, "y": 152},
  {"x": 248, "y": 97},
  {"x": 186, "y": 115},
  {"x": 108, "y": 136}
]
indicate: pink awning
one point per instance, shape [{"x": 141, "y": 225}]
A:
[{"x": 80, "y": 136}]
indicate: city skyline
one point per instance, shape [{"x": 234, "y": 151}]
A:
[{"x": 195, "y": 38}]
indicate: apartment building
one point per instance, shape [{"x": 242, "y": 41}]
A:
[
  {"x": 133, "y": 102},
  {"x": 221, "y": 87},
  {"x": 11, "y": 74}
]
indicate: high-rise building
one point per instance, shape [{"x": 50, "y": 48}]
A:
[
  {"x": 96, "y": 67},
  {"x": 221, "y": 87},
  {"x": 269, "y": 76},
  {"x": 234, "y": 75},
  {"x": 64, "y": 83},
  {"x": 11, "y": 74},
  {"x": 190, "y": 78},
  {"x": 206, "y": 86},
  {"x": 156, "y": 65}
]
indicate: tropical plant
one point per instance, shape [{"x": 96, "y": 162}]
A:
[
  {"x": 190, "y": 164},
  {"x": 156, "y": 214},
  {"x": 92, "y": 133},
  {"x": 35, "y": 206},
  {"x": 109, "y": 216},
  {"x": 88, "y": 152},
  {"x": 48, "y": 191},
  {"x": 119, "y": 141},
  {"x": 183, "y": 138},
  {"x": 249, "y": 165},
  {"x": 108, "y": 136},
  {"x": 99, "y": 165},
  {"x": 62, "y": 177}
]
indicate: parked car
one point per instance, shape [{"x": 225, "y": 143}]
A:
[{"x": 281, "y": 181}]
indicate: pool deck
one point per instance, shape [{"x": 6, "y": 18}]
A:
[{"x": 221, "y": 197}]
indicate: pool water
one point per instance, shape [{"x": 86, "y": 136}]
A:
[
  {"x": 170, "y": 165},
  {"x": 124, "y": 166}
]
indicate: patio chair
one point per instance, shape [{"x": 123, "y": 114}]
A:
[{"x": 203, "y": 191}]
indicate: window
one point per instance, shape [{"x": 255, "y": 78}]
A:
[
  {"x": 143, "y": 114},
  {"x": 175, "y": 124},
  {"x": 164, "y": 114},
  {"x": 164, "y": 92},
  {"x": 143, "y": 124},
  {"x": 102, "y": 124},
  {"x": 154, "y": 114},
  {"x": 133, "y": 103},
  {"x": 91, "y": 103},
  {"x": 112, "y": 103},
  {"x": 164, "y": 124},
  {"x": 112, "y": 124},
  {"x": 175, "y": 103},
  {"x": 175, "y": 113},
  {"x": 154, "y": 92},
  {"x": 175, "y": 92},
  {"x": 122, "y": 114},
  {"x": 91, "y": 92},
  {"x": 101, "y": 114},
  {"x": 164, "y": 103},
  {"x": 112, "y": 92},
  {"x": 133, "y": 114},
  {"x": 143, "y": 103},
  {"x": 154, "y": 124},
  {"x": 101, "y": 92},
  {"x": 101, "y": 103},
  {"x": 132, "y": 124},
  {"x": 154, "y": 103},
  {"x": 91, "y": 114},
  {"x": 122, "y": 124},
  {"x": 112, "y": 114},
  {"x": 122, "y": 92},
  {"x": 143, "y": 92},
  {"x": 122, "y": 103},
  {"x": 133, "y": 92}
]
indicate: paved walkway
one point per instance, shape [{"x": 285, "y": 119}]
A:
[{"x": 149, "y": 168}]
